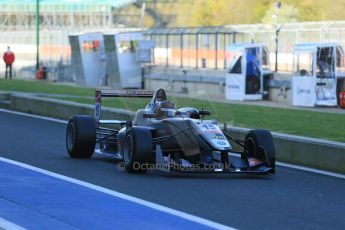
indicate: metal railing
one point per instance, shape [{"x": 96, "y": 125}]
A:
[{"x": 205, "y": 47}]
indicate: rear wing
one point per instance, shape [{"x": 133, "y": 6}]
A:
[{"x": 116, "y": 93}]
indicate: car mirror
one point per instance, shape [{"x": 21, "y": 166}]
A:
[
  {"x": 204, "y": 112},
  {"x": 149, "y": 115}
]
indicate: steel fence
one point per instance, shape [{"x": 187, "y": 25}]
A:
[{"x": 205, "y": 47}]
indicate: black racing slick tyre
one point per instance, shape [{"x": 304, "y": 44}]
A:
[
  {"x": 259, "y": 144},
  {"x": 138, "y": 151},
  {"x": 81, "y": 136}
]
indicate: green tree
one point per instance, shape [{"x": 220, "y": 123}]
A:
[
  {"x": 332, "y": 10},
  {"x": 287, "y": 13},
  {"x": 182, "y": 13},
  {"x": 224, "y": 12},
  {"x": 310, "y": 10},
  {"x": 259, "y": 9}
]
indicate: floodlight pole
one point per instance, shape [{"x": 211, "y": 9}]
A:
[
  {"x": 277, "y": 39},
  {"x": 37, "y": 34},
  {"x": 278, "y": 6}
]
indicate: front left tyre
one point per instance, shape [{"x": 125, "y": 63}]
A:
[
  {"x": 81, "y": 136},
  {"x": 260, "y": 145}
]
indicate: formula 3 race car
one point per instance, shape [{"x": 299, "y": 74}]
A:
[{"x": 165, "y": 138}]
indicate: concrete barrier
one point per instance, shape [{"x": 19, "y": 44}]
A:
[
  {"x": 4, "y": 100},
  {"x": 310, "y": 152},
  {"x": 62, "y": 109},
  {"x": 4, "y": 95}
]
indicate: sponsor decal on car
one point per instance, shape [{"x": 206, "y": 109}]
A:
[
  {"x": 219, "y": 136},
  {"x": 98, "y": 98},
  {"x": 210, "y": 129},
  {"x": 253, "y": 161},
  {"x": 221, "y": 142}
]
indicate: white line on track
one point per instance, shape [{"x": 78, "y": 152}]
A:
[
  {"x": 34, "y": 116},
  {"x": 318, "y": 171},
  {"x": 322, "y": 172},
  {"x": 158, "y": 207},
  {"x": 4, "y": 224}
]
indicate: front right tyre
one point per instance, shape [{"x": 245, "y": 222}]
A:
[{"x": 138, "y": 151}]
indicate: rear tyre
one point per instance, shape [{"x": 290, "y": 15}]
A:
[
  {"x": 81, "y": 136},
  {"x": 259, "y": 144},
  {"x": 138, "y": 152}
]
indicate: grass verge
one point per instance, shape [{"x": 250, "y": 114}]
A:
[{"x": 44, "y": 87}]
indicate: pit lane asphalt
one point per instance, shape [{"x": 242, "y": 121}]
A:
[{"x": 291, "y": 199}]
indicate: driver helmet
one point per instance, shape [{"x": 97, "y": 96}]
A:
[
  {"x": 167, "y": 105},
  {"x": 165, "y": 108}
]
